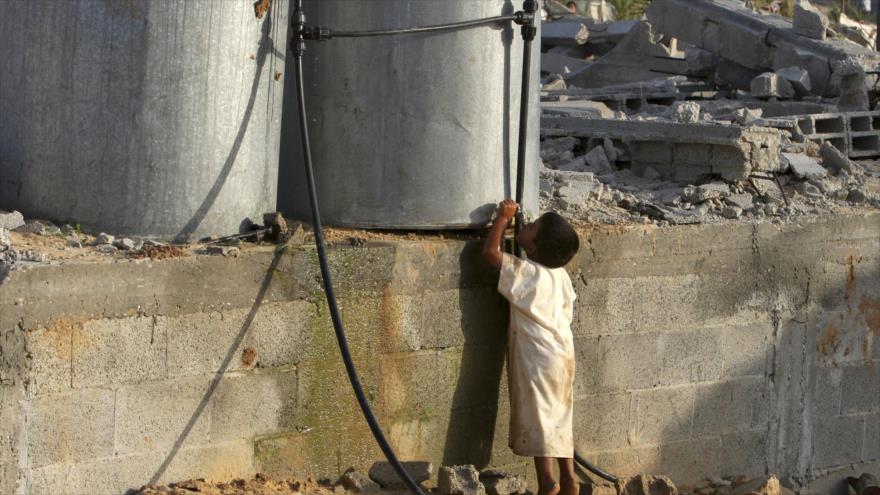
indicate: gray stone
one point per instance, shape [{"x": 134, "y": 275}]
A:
[
  {"x": 810, "y": 190},
  {"x": 125, "y": 244},
  {"x": 5, "y": 241},
  {"x": 705, "y": 192},
  {"x": 41, "y": 227},
  {"x": 501, "y": 483},
  {"x": 803, "y": 166},
  {"x": 745, "y": 116},
  {"x": 11, "y": 221},
  {"x": 798, "y": 78},
  {"x": 74, "y": 242},
  {"x": 103, "y": 238},
  {"x": 744, "y": 201},
  {"x": 856, "y": 196},
  {"x": 686, "y": 111},
  {"x": 700, "y": 62},
  {"x": 770, "y": 85},
  {"x": 834, "y": 159},
  {"x": 106, "y": 248},
  {"x": 459, "y": 480},
  {"x": 611, "y": 152},
  {"x": 356, "y": 482},
  {"x": 598, "y": 162},
  {"x": 68, "y": 229},
  {"x": 809, "y": 21},
  {"x": 33, "y": 256},
  {"x": 383, "y": 473}
]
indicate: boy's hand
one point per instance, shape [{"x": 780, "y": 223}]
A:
[{"x": 507, "y": 209}]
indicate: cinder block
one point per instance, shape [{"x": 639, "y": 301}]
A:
[
  {"x": 650, "y": 152},
  {"x": 586, "y": 351},
  {"x": 726, "y": 407},
  {"x": 628, "y": 362},
  {"x": 745, "y": 350},
  {"x": 390, "y": 323},
  {"x": 253, "y": 403},
  {"x": 630, "y": 461},
  {"x": 202, "y": 342},
  {"x": 50, "y": 357},
  {"x": 472, "y": 316},
  {"x": 744, "y": 453},
  {"x": 600, "y": 421},
  {"x": 690, "y": 356},
  {"x": 860, "y": 389},
  {"x": 162, "y": 415},
  {"x": 691, "y": 154},
  {"x": 662, "y": 415},
  {"x": 837, "y": 441},
  {"x": 70, "y": 427},
  {"x": 872, "y": 438},
  {"x": 124, "y": 350},
  {"x": 826, "y": 396},
  {"x": 691, "y": 461},
  {"x": 299, "y": 455}
]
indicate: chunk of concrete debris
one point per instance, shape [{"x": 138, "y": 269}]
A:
[
  {"x": 383, "y": 472},
  {"x": 501, "y": 483},
  {"x": 125, "y": 244},
  {"x": 106, "y": 248},
  {"x": 761, "y": 486},
  {"x": 11, "y": 220},
  {"x": 771, "y": 85},
  {"x": 798, "y": 78},
  {"x": 644, "y": 484},
  {"x": 731, "y": 211},
  {"x": 103, "y": 238},
  {"x": 804, "y": 167},
  {"x": 744, "y": 201},
  {"x": 41, "y": 227},
  {"x": 809, "y": 190},
  {"x": 700, "y": 63},
  {"x": 849, "y": 77},
  {"x": 554, "y": 84},
  {"x": 5, "y": 240},
  {"x": 856, "y": 196},
  {"x": 597, "y": 161},
  {"x": 834, "y": 159},
  {"x": 746, "y": 116},
  {"x": 356, "y": 482},
  {"x": 686, "y": 111},
  {"x": 33, "y": 256},
  {"x": 809, "y": 21},
  {"x": 459, "y": 480},
  {"x": 576, "y": 165},
  {"x": 705, "y": 192},
  {"x": 558, "y": 145}
]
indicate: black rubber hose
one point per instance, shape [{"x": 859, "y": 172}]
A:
[
  {"x": 523, "y": 138},
  {"x": 423, "y": 29},
  {"x": 593, "y": 468},
  {"x": 328, "y": 282}
]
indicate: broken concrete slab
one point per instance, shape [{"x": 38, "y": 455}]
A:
[
  {"x": 686, "y": 111},
  {"x": 577, "y": 108},
  {"x": 834, "y": 159},
  {"x": 809, "y": 21},
  {"x": 383, "y": 472},
  {"x": 356, "y": 482},
  {"x": 11, "y": 220},
  {"x": 705, "y": 192},
  {"x": 744, "y": 201},
  {"x": 798, "y": 78},
  {"x": 804, "y": 167},
  {"x": 564, "y": 32},
  {"x": 597, "y": 162},
  {"x": 771, "y": 85},
  {"x": 459, "y": 480},
  {"x": 681, "y": 151}
]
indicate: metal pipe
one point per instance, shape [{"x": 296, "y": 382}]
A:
[
  {"x": 299, "y": 49},
  {"x": 529, "y": 31}
]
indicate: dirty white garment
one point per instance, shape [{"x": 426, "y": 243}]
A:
[{"x": 540, "y": 357}]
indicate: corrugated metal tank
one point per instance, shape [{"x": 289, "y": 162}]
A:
[
  {"x": 414, "y": 131},
  {"x": 143, "y": 117}
]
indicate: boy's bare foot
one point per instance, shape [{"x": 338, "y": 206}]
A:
[
  {"x": 549, "y": 489},
  {"x": 569, "y": 486}
]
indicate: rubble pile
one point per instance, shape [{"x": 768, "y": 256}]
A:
[{"x": 707, "y": 112}]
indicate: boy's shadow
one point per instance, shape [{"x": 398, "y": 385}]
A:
[{"x": 472, "y": 420}]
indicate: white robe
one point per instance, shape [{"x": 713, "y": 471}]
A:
[{"x": 540, "y": 357}]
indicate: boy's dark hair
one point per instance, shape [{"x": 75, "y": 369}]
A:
[{"x": 556, "y": 242}]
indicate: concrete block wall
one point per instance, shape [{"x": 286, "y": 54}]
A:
[
  {"x": 857, "y": 134},
  {"x": 702, "y": 351}
]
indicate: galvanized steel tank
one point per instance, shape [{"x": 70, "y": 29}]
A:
[
  {"x": 143, "y": 117},
  {"x": 415, "y": 131}
]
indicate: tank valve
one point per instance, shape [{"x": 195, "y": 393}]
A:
[{"x": 526, "y": 19}]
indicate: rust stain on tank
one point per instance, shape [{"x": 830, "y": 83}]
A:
[
  {"x": 870, "y": 309},
  {"x": 248, "y": 357},
  {"x": 828, "y": 340}
]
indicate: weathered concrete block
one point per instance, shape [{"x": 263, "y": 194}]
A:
[
  {"x": 502, "y": 483},
  {"x": 459, "y": 480},
  {"x": 50, "y": 349},
  {"x": 356, "y": 482},
  {"x": 834, "y": 159},
  {"x": 804, "y": 167},
  {"x": 253, "y": 403},
  {"x": 691, "y": 461},
  {"x": 727, "y": 407},
  {"x": 872, "y": 437},
  {"x": 123, "y": 350},
  {"x": 798, "y": 78},
  {"x": 690, "y": 356},
  {"x": 599, "y": 429},
  {"x": 745, "y": 350},
  {"x": 837, "y": 441},
  {"x": 70, "y": 427},
  {"x": 630, "y": 461},
  {"x": 155, "y": 416},
  {"x": 771, "y": 85},
  {"x": 809, "y": 21},
  {"x": 827, "y": 392},
  {"x": 692, "y": 154},
  {"x": 662, "y": 415},
  {"x": 744, "y": 453},
  {"x": 384, "y": 474},
  {"x": 616, "y": 370},
  {"x": 651, "y": 152},
  {"x": 860, "y": 389}
]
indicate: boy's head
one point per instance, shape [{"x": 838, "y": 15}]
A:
[{"x": 550, "y": 240}]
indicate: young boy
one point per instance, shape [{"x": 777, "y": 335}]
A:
[{"x": 540, "y": 354}]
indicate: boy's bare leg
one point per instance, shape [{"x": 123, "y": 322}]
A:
[
  {"x": 568, "y": 481},
  {"x": 547, "y": 485}
]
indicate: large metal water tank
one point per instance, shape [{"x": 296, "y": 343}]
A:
[
  {"x": 413, "y": 131},
  {"x": 145, "y": 117}
]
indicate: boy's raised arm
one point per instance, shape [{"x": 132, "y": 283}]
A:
[{"x": 492, "y": 247}]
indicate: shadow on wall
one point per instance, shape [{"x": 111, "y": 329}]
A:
[{"x": 755, "y": 364}]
